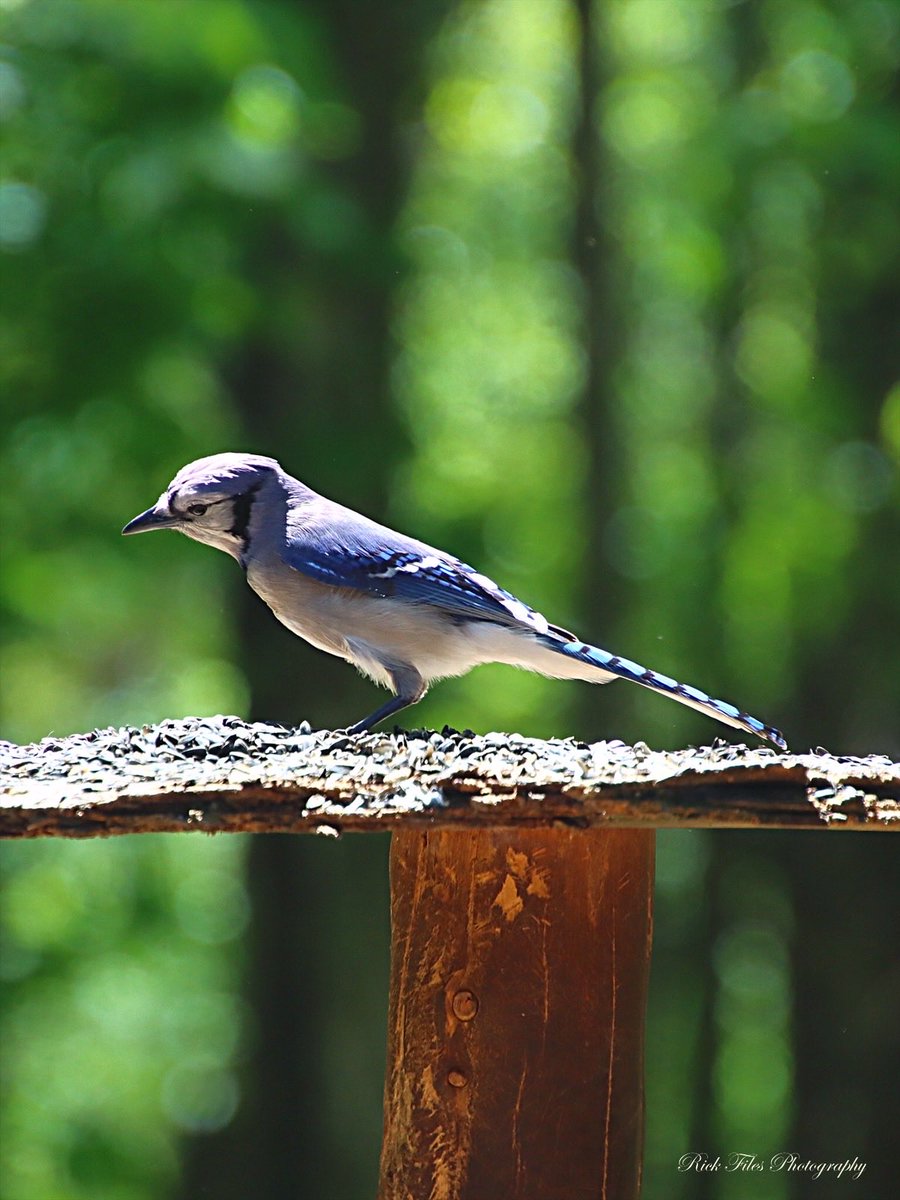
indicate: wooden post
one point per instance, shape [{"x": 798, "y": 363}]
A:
[{"x": 519, "y": 972}]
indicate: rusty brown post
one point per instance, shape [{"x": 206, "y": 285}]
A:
[{"x": 519, "y": 972}]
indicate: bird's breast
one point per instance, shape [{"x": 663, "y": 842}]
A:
[
  {"x": 340, "y": 620},
  {"x": 308, "y": 608}
]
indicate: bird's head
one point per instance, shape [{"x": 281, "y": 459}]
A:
[{"x": 212, "y": 499}]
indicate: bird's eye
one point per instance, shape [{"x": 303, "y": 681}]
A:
[{"x": 197, "y": 509}]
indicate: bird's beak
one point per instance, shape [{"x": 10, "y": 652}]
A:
[{"x": 154, "y": 518}]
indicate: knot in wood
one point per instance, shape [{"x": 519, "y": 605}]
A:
[
  {"x": 456, "y": 1079},
  {"x": 464, "y": 1005}
]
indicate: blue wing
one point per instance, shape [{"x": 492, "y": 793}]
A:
[
  {"x": 349, "y": 551},
  {"x": 336, "y": 546}
]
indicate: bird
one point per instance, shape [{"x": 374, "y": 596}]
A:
[{"x": 402, "y": 612}]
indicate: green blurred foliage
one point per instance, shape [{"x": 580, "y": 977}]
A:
[
  {"x": 121, "y": 1021},
  {"x": 752, "y": 189},
  {"x": 749, "y": 188},
  {"x": 490, "y": 366},
  {"x": 186, "y": 230},
  {"x": 150, "y": 149}
]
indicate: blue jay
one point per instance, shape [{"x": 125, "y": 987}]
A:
[{"x": 402, "y": 612}]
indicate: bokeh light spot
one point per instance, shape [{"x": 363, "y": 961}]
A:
[
  {"x": 859, "y": 477},
  {"x": 657, "y": 30},
  {"x": 774, "y": 356},
  {"x": 199, "y": 1096},
  {"x": 12, "y": 90},
  {"x": 817, "y": 86},
  {"x": 265, "y": 105},
  {"x": 23, "y": 213},
  {"x": 649, "y": 116},
  {"x": 473, "y": 117}
]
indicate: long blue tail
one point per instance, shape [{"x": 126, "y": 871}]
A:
[{"x": 613, "y": 665}]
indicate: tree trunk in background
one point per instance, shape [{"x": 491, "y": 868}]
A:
[
  {"x": 699, "y": 961},
  {"x": 593, "y": 256},
  {"x": 318, "y": 399},
  {"x": 846, "y": 991},
  {"x": 309, "y": 1121}
]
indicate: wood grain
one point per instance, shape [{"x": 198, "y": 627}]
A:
[{"x": 519, "y": 979}]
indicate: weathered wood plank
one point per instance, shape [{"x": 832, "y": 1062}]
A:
[{"x": 222, "y": 775}]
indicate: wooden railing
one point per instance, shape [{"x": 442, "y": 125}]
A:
[{"x": 521, "y": 907}]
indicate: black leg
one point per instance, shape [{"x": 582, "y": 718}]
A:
[
  {"x": 392, "y": 706},
  {"x": 411, "y": 687}
]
